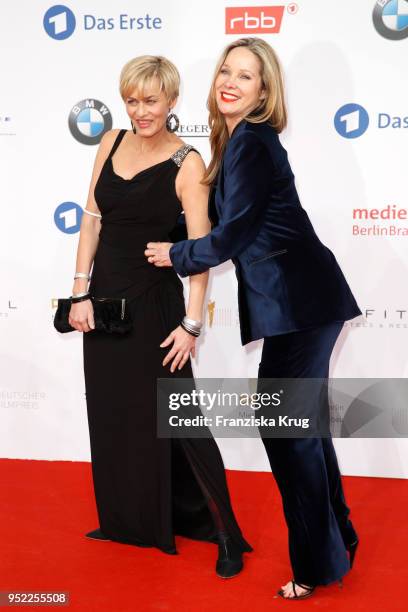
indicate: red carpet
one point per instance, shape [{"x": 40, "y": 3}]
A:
[{"x": 46, "y": 507}]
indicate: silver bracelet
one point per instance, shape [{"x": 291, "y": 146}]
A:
[
  {"x": 191, "y": 326},
  {"x": 196, "y": 324},
  {"x": 189, "y": 330},
  {"x": 88, "y": 212},
  {"x": 82, "y": 275},
  {"x": 82, "y": 293}
]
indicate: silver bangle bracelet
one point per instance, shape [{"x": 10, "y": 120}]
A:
[
  {"x": 192, "y": 323},
  {"x": 192, "y": 332},
  {"x": 81, "y": 294},
  {"x": 192, "y": 327},
  {"x": 89, "y": 212},
  {"x": 187, "y": 325},
  {"x": 82, "y": 275}
]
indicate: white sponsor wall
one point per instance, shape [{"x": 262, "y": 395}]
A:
[{"x": 349, "y": 179}]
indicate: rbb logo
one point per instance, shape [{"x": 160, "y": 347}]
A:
[
  {"x": 67, "y": 217},
  {"x": 253, "y": 19}
]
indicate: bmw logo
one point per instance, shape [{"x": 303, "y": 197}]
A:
[
  {"x": 390, "y": 18},
  {"x": 89, "y": 120}
]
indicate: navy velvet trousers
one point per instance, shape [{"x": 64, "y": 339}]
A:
[{"x": 306, "y": 469}]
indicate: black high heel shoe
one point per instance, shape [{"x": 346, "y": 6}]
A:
[
  {"x": 97, "y": 534},
  {"x": 229, "y": 562},
  {"x": 352, "y": 549}
]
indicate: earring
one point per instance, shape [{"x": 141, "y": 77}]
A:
[
  {"x": 133, "y": 127},
  {"x": 172, "y": 123}
]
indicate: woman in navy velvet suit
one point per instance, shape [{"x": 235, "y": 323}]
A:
[{"x": 291, "y": 292}]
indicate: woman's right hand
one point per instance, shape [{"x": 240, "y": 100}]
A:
[{"x": 81, "y": 316}]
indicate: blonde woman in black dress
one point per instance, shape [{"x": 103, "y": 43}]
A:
[{"x": 147, "y": 489}]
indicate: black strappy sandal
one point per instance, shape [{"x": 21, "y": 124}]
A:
[{"x": 309, "y": 590}]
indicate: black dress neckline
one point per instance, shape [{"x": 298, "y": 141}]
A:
[{"x": 128, "y": 180}]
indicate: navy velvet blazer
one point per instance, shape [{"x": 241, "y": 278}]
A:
[{"x": 287, "y": 279}]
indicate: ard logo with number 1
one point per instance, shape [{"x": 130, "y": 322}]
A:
[
  {"x": 59, "y": 22},
  {"x": 351, "y": 120}
]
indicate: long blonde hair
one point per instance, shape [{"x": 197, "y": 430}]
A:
[{"x": 272, "y": 108}]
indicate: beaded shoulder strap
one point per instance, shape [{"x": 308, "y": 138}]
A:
[{"x": 179, "y": 156}]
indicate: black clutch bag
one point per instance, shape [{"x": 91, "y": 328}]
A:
[{"x": 110, "y": 315}]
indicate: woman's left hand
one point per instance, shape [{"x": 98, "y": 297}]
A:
[
  {"x": 157, "y": 253},
  {"x": 184, "y": 344}
]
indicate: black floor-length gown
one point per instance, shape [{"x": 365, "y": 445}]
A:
[{"x": 147, "y": 489}]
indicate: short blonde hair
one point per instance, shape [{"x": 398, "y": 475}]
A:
[{"x": 137, "y": 73}]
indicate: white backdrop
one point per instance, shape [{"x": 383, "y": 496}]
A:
[{"x": 333, "y": 56}]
